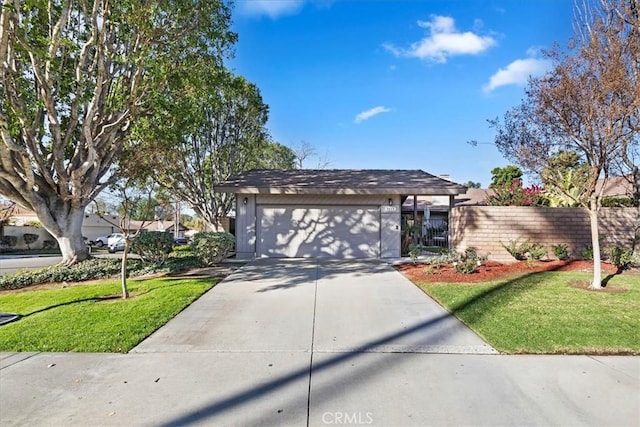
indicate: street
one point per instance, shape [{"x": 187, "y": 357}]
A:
[{"x": 10, "y": 264}]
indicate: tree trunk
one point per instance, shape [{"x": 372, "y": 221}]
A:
[
  {"x": 123, "y": 270},
  {"x": 65, "y": 224},
  {"x": 595, "y": 243}
]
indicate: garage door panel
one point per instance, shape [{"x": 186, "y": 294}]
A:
[{"x": 336, "y": 231}]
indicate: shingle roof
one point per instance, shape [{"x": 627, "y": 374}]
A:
[{"x": 339, "y": 181}]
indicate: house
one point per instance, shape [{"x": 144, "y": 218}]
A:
[
  {"x": 326, "y": 213},
  {"x": 158, "y": 225}
]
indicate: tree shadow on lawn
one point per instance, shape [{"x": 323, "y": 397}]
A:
[
  {"x": 63, "y": 304},
  {"x": 357, "y": 376}
]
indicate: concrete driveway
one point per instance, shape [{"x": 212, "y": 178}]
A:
[
  {"x": 309, "y": 306},
  {"x": 313, "y": 343}
]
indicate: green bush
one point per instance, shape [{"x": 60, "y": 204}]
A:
[
  {"x": 414, "y": 252},
  {"x": 50, "y": 244},
  {"x": 29, "y": 239},
  {"x": 9, "y": 241},
  {"x": 211, "y": 248},
  {"x": 95, "y": 268},
  {"x": 587, "y": 252},
  {"x": 517, "y": 249},
  {"x": 468, "y": 262},
  {"x": 620, "y": 257},
  {"x": 153, "y": 247},
  {"x": 617, "y": 202},
  {"x": 537, "y": 251},
  {"x": 561, "y": 251}
]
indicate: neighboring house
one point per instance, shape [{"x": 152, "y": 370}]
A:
[
  {"x": 21, "y": 216},
  {"x": 157, "y": 225},
  {"x": 94, "y": 226},
  {"x": 617, "y": 186},
  {"x": 437, "y": 207},
  {"x": 326, "y": 213}
]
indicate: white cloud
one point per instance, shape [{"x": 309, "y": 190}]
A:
[
  {"x": 272, "y": 8},
  {"x": 366, "y": 115},
  {"x": 443, "y": 41},
  {"x": 517, "y": 73}
]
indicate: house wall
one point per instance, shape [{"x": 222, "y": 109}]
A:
[
  {"x": 246, "y": 217},
  {"x": 484, "y": 228},
  {"x": 94, "y": 226}
]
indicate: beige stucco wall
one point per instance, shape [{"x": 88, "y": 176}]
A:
[
  {"x": 19, "y": 231},
  {"x": 485, "y": 227}
]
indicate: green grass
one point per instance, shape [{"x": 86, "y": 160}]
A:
[
  {"x": 94, "y": 317},
  {"x": 543, "y": 313}
]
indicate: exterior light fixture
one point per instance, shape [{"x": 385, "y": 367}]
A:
[
  {"x": 390, "y": 202},
  {"x": 245, "y": 201}
]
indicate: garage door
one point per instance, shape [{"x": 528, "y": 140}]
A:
[{"x": 322, "y": 231}]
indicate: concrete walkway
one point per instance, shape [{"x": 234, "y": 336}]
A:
[{"x": 299, "y": 343}]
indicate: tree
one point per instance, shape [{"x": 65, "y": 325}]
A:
[
  {"x": 585, "y": 104},
  {"x": 218, "y": 131},
  {"x": 305, "y": 151},
  {"x": 471, "y": 184},
  {"x": 505, "y": 176},
  {"x": 129, "y": 194},
  {"x": 74, "y": 76},
  {"x": 276, "y": 156},
  {"x": 564, "y": 177}
]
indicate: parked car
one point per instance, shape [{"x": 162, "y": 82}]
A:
[
  {"x": 105, "y": 240},
  {"x": 181, "y": 240},
  {"x": 116, "y": 242}
]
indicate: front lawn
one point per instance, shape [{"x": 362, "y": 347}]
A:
[
  {"x": 546, "y": 312},
  {"x": 93, "y": 317}
]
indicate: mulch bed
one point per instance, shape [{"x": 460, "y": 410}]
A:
[{"x": 491, "y": 270}]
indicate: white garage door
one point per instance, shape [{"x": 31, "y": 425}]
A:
[{"x": 323, "y": 231}]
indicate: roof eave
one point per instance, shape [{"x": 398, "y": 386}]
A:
[{"x": 292, "y": 190}]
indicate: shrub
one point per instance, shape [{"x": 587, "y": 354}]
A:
[
  {"x": 153, "y": 246},
  {"x": 587, "y": 252},
  {"x": 414, "y": 252},
  {"x": 50, "y": 244},
  {"x": 617, "y": 202},
  {"x": 211, "y": 248},
  {"x": 468, "y": 262},
  {"x": 9, "y": 241},
  {"x": 561, "y": 251},
  {"x": 620, "y": 257},
  {"x": 537, "y": 251},
  {"x": 444, "y": 258},
  {"x": 514, "y": 194},
  {"x": 517, "y": 249},
  {"x": 30, "y": 238},
  {"x": 95, "y": 268}
]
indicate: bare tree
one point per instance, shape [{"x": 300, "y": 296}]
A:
[
  {"x": 587, "y": 104},
  {"x": 305, "y": 151},
  {"x": 128, "y": 195}
]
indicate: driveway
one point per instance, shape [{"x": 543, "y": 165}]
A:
[
  {"x": 316, "y": 343},
  {"x": 324, "y": 306}
]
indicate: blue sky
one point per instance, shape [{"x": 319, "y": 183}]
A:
[{"x": 395, "y": 84}]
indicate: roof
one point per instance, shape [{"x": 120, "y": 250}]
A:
[
  {"x": 616, "y": 186},
  {"x": 339, "y": 181}
]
